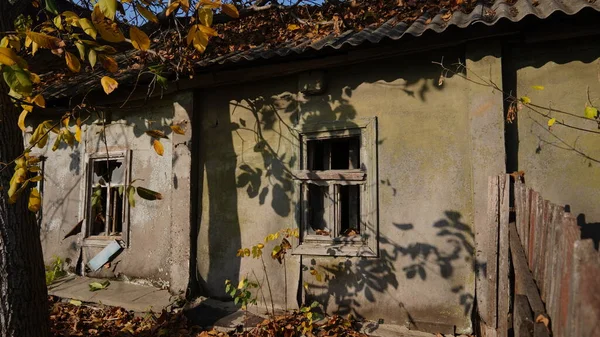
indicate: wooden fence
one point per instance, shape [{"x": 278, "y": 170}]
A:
[{"x": 556, "y": 289}]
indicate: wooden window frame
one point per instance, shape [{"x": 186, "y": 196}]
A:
[
  {"x": 103, "y": 240},
  {"x": 366, "y": 243}
]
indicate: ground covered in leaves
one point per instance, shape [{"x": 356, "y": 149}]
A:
[{"x": 71, "y": 318}]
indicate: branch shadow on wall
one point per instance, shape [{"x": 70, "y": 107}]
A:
[
  {"x": 349, "y": 281},
  {"x": 250, "y": 150}
]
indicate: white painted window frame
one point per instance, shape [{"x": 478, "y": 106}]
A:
[
  {"x": 101, "y": 241},
  {"x": 366, "y": 244}
]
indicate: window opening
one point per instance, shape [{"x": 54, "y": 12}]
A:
[{"x": 107, "y": 201}]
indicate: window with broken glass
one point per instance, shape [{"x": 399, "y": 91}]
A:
[
  {"x": 337, "y": 181},
  {"x": 106, "y": 199}
]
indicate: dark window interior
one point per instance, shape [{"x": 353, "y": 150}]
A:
[
  {"x": 116, "y": 212},
  {"x": 316, "y": 201},
  {"x": 349, "y": 209},
  {"x": 109, "y": 171},
  {"x": 98, "y": 211},
  {"x": 333, "y": 153}
]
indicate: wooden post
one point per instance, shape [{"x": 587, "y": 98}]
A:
[{"x": 486, "y": 241}]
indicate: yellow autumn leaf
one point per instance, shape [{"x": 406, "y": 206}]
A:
[
  {"x": 92, "y": 57},
  {"x": 72, "y": 62},
  {"x": 45, "y": 40},
  {"x": 78, "y": 130},
  {"x": 58, "y": 22},
  {"x": 538, "y": 87},
  {"x": 108, "y": 8},
  {"x": 525, "y": 99},
  {"x": 172, "y": 7},
  {"x": 88, "y": 27},
  {"x": 191, "y": 34},
  {"x": 551, "y": 121},
  {"x": 109, "y": 31},
  {"x": 207, "y": 30},
  {"x": 139, "y": 39},
  {"x": 210, "y": 4},
  {"x": 590, "y": 112},
  {"x": 146, "y": 13},
  {"x": 185, "y": 5},
  {"x": 9, "y": 57},
  {"x": 292, "y": 27},
  {"x": 109, "y": 63},
  {"x": 71, "y": 18},
  {"x": 109, "y": 84},
  {"x": 205, "y": 15},
  {"x": 229, "y": 9},
  {"x": 158, "y": 147},
  {"x": 178, "y": 129},
  {"x": 21, "y": 122},
  {"x": 35, "y": 200},
  {"x": 200, "y": 41},
  {"x": 39, "y": 101},
  {"x": 35, "y": 78}
]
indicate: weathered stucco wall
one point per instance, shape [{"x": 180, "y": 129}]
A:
[
  {"x": 158, "y": 235},
  {"x": 427, "y": 138},
  {"x": 563, "y": 164}
]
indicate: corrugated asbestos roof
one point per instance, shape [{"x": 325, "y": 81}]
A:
[{"x": 392, "y": 29}]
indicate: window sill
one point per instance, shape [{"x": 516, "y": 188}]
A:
[
  {"x": 101, "y": 241},
  {"x": 334, "y": 249}
]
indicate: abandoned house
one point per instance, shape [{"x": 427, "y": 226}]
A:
[{"x": 371, "y": 143}]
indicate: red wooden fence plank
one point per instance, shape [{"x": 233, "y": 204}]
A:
[
  {"x": 570, "y": 234},
  {"x": 584, "y": 305},
  {"x": 526, "y": 219},
  {"x": 533, "y": 221},
  {"x": 552, "y": 258}
]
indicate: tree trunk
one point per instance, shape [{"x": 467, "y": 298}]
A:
[{"x": 23, "y": 293}]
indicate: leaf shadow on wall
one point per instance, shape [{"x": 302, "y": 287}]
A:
[{"x": 348, "y": 281}]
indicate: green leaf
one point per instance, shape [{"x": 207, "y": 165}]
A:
[
  {"x": 81, "y": 48},
  {"x": 51, "y": 7},
  {"x": 18, "y": 80},
  {"x": 162, "y": 81},
  {"x": 75, "y": 302},
  {"x": 591, "y": 112},
  {"x": 147, "y": 194},
  {"x": 131, "y": 195},
  {"x": 95, "y": 286},
  {"x": 92, "y": 57}
]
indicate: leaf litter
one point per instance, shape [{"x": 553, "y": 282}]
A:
[{"x": 73, "y": 318}]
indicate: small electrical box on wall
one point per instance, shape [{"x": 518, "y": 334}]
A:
[{"x": 312, "y": 82}]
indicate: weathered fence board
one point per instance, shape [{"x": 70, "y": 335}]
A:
[
  {"x": 522, "y": 317},
  {"x": 524, "y": 283},
  {"x": 556, "y": 271},
  {"x": 486, "y": 241},
  {"x": 504, "y": 257},
  {"x": 584, "y": 305}
]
